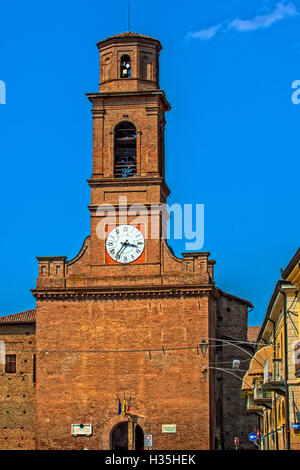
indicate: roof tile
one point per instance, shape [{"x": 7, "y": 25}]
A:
[{"x": 22, "y": 317}]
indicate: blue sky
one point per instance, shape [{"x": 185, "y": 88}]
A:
[{"x": 232, "y": 136}]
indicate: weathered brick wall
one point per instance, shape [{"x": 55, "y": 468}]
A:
[
  {"x": 17, "y": 390},
  {"x": 232, "y": 418},
  {"x": 79, "y": 384}
]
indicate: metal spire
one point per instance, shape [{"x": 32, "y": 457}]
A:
[{"x": 128, "y": 16}]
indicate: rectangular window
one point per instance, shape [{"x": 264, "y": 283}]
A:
[{"x": 10, "y": 363}]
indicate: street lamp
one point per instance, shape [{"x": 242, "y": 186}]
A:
[
  {"x": 203, "y": 346},
  {"x": 236, "y": 363}
]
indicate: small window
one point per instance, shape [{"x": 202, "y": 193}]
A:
[
  {"x": 10, "y": 363},
  {"x": 125, "y": 67}
]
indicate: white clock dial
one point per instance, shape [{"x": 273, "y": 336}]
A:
[{"x": 125, "y": 243}]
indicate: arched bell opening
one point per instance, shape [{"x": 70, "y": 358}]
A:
[
  {"x": 125, "y": 150},
  {"x": 125, "y": 67}
]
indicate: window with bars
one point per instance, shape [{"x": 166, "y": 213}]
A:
[{"x": 10, "y": 363}]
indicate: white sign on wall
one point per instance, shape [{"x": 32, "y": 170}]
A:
[
  {"x": 148, "y": 440},
  {"x": 81, "y": 429},
  {"x": 169, "y": 428}
]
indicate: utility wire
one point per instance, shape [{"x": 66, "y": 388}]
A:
[{"x": 119, "y": 351}]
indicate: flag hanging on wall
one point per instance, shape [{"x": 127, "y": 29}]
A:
[
  {"x": 128, "y": 406},
  {"x": 124, "y": 408},
  {"x": 119, "y": 407}
]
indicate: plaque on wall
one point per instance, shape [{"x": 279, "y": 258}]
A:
[
  {"x": 81, "y": 430},
  {"x": 169, "y": 428}
]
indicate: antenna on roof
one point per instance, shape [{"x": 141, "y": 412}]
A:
[{"x": 128, "y": 16}]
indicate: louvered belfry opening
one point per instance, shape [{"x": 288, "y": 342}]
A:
[{"x": 125, "y": 150}]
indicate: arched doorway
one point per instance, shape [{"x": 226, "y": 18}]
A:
[
  {"x": 138, "y": 438},
  {"x": 119, "y": 436},
  {"x": 127, "y": 435}
]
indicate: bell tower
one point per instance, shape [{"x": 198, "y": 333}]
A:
[
  {"x": 128, "y": 139},
  {"x": 125, "y": 316}
]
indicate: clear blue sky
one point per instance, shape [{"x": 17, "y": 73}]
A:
[{"x": 232, "y": 137}]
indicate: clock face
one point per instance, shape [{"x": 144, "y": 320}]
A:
[{"x": 125, "y": 244}]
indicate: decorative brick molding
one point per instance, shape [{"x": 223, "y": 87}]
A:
[{"x": 120, "y": 294}]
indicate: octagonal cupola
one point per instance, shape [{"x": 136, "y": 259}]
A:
[{"x": 129, "y": 62}]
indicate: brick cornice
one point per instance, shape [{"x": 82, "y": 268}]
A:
[
  {"x": 97, "y": 97},
  {"x": 136, "y": 181},
  {"x": 122, "y": 293},
  {"x": 130, "y": 37}
]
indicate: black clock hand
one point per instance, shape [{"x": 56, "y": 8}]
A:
[
  {"x": 121, "y": 249},
  {"x": 130, "y": 244}
]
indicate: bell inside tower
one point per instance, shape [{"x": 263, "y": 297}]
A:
[{"x": 125, "y": 67}]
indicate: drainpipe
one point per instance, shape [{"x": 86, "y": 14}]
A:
[
  {"x": 275, "y": 395},
  {"x": 286, "y": 376},
  {"x": 267, "y": 433}
]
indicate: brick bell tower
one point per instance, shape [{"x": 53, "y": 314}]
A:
[
  {"x": 124, "y": 318},
  {"x": 128, "y": 152}
]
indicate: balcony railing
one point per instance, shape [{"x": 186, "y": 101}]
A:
[
  {"x": 253, "y": 407},
  {"x": 274, "y": 380},
  {"x": 262, "y": 396}
]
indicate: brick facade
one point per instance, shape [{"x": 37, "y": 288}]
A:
[
  {"x": 17, "y": 390},
  {"x": 232, "y": 418},
  {"x": 107, "y": 330}
]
